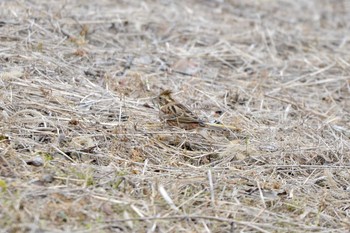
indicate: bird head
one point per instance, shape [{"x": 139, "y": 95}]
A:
[{"x": 164, "y": 98}]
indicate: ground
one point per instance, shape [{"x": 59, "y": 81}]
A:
[{"x": 82, "y": 148}]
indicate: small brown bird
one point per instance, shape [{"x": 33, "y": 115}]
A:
[{"x": 175, "y": 113}]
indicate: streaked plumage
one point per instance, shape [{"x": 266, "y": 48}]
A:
[{"x": 175, "y": 113}]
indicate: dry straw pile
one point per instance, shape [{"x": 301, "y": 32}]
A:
[{"x": 82, "y": 148}]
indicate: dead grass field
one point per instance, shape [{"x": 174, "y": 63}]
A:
[{"x": 82, "y": 148}]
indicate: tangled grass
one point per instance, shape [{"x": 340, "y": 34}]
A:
[{"x": 82, "y": 148}]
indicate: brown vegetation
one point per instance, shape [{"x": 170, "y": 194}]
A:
[{"x": 82, "y": 148}]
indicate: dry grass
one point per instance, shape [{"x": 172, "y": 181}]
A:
[{"x": 82, "y": 148}]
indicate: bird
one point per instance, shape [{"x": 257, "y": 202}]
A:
[{"x": 176, "y": 114}]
